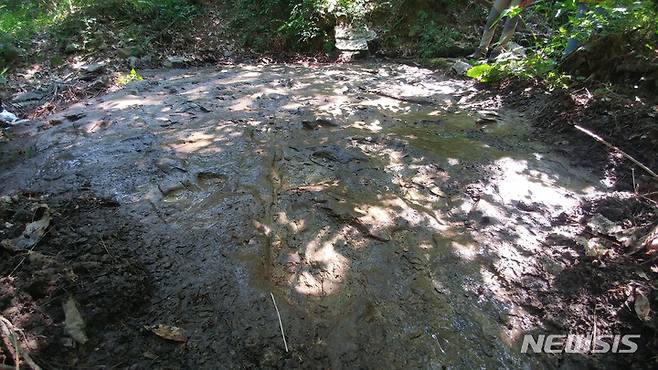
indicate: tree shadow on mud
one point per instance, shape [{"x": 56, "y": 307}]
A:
[{"x": 402, "y": 234}]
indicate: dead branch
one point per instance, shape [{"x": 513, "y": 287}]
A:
[
  {"x": 283, "y": 335},
  {"x": 628, "y": 156},
  {"x": 401, "y": 98}
]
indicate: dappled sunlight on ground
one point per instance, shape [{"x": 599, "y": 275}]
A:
[
  {"x": 380, "y": 212},
  {"x": 519, "y": 183}
]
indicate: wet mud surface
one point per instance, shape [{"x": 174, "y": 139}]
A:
[{"x": 395, "y": 226}]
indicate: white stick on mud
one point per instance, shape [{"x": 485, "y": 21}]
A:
[
  {"x": 285, "y": 344},
  {"x": 628, "y": 156}
]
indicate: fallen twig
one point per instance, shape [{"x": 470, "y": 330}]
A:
[
  {"x": 285, "y": 344},
  {"x": 8, "y": 334},
  {"x": 107, "y": 250},
  {"x": 9, "y": 339},
  {"x": 628, "y": 156},
  {"x": 400, "y": 98}
]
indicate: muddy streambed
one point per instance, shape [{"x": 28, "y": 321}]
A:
[{"x": 388, "y": 219}]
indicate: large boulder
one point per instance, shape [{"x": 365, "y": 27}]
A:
[
  {"x": 91, "y": 71},
  {"x": 350, "y": 38}
]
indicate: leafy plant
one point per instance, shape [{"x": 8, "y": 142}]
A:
[
  {"x": 480, "y": 72},
  {"x": 79, "y": 25},
  {"x": 305, "y": 23},
  {"x": 433, "y": 40},
  {"x": 636, "y": 20},
  {"x": 132, "y": 76}
]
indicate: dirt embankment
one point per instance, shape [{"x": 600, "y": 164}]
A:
[{"x": 628, "y": 120}]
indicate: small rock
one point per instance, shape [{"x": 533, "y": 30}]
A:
[
  {"x": 176, "y": 61},
  {"x": 91, "y": 71},
  {"x": 595, "y": 247},
  {"x": 7, "y": 117},
  {"x": 319, "y": 122},
  {"x": 146, "y": 60},
  {"x": 98, "y": 83},
  {"x": 483, "y": 121},
  {"x": 513, "y": 51},
  {"x": 132, "y": 61},
  {"x": 600, "y": 224},
  {"x": 460, "y": 67},
  {"x": 74, "y": 116},
  {"x": 168, "y": 332},
  {"x": 93, "y": 68},
  {"x": 642, "y": 307}
]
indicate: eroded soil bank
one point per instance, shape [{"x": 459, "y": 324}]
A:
[{"x": 395, "y": 226}]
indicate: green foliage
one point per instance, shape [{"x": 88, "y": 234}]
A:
[
  {"x": 127, "y": 78},
  {"x": 353, "y": 10},
  {"x": 632, "y": 22},
  {"x": 511, "y": 12},
  {"x": 256, "y": 22},
  {"x": 481, "y": 72},
  {"x": 22, "y": 19},
  {"x": 136, "y": 21},
  {"x": 433, "y": 40},
  {"x": 428, "y": 29},
  {"x": 527, "y": 68},
  {"x": 292, "y": 24},
  {"x": 304, "y": 25},
  {"x": 90, "y": 25},
  {"x": 308, "y": 24}
]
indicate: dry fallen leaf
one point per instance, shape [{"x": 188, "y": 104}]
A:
[
  {"x": 642, "y": 307},
  {"x": 168, "y": 332},
  {"x": 73, "y": 322},
  {"x": 150, "y": 355},
  {"x": 34, "y": 231}
]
